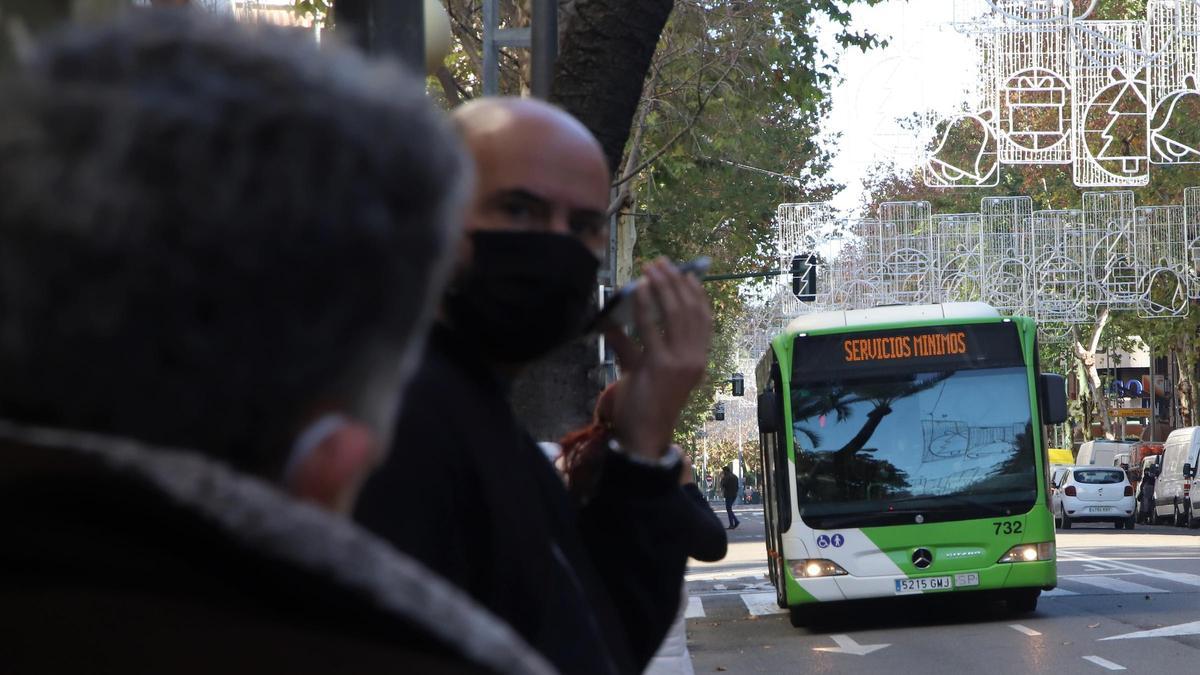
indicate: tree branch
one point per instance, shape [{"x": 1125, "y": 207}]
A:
[{"x": 701, "y": 105}]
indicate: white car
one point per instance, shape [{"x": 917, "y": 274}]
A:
[{"x": 1093, "y": 494}]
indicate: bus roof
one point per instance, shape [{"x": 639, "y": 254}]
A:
[{"x": 892, "y": 314}]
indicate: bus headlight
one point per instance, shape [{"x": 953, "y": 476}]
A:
[
  {"x": 1029, "y": 553},
  {"x": 816, "y": 567}
]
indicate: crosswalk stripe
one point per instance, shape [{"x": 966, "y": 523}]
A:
[
  {"x": 695, "y": 608},
  {"x": 1117, "y": 564},
  {"x": 1115, "y": 585},
  {"x": 1058, "y": 592},
  {"x": 761, "y": 604},
  {"x": 1104, "y": 663}
]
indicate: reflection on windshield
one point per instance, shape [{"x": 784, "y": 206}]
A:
[{"x": 913, "y": 441}]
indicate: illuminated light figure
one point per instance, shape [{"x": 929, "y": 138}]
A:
[
  {"x": 1122, "y": 109},
  {"x": 1035, "y": 112},
  {"x": 976, "y": 165},
  {"x": 1174, "y": 136}
]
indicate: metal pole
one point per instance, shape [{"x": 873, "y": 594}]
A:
[
  {"x": 491, "y": 57},
  {"x": 741, "y": 458},
  {"x": 387, "y": 27},
  {"x": 1153, "y": 393},
  {"x": 544, "y": 45},
  {"x": 398, "y": 29}
]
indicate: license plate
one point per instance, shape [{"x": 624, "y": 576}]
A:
[
  {"x": 904, "y": 586},
  {"x": 1099, "y": 509},
  {"x": 968, "y": 579}
]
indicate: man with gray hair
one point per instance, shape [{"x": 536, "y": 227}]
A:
[{"x": 219, "y": 253}]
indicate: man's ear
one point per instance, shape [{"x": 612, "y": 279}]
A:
[{"x": 334, "y": 470}]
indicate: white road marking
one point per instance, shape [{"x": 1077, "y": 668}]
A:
[
  {"x": 1114, "y": 564},
  {"x": 1104, "y": 663},
  {"x": 1114, "y": 585},
  {"x": 1192, "y": 628},
  {"x": 761, "y": 604},
  {"x": 1058, "y": 592},
  {"x": 695, "y": 608},
  {"x": 1024, "y": 629},
  {"x": 847, "y": 645},
  {"x": 1099, "y": 574},
  {"x": 719, "y": 587},
  {"x": 715, "y": 576},
  {"x": 1092, "y": 567}
]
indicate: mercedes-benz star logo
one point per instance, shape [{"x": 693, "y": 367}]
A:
[{"x": 922, "y": 558}]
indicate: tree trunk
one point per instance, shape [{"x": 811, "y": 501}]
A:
[
  {"x": 1185, "y": 359},
  {"x": 1087, "y": 358},
  {"x": 606, "y": 47}
]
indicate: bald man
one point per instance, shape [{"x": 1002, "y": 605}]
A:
[{"x": 594, "y": 587}]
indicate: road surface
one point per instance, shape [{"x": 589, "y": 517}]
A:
[{"x": 1125, "y": 600}]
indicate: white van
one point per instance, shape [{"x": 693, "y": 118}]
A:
[
  {"x": 1172, "y": 490},
  {"x": 1101, "y": 453}
]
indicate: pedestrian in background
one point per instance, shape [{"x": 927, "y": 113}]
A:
[
  {"x": 729, "y": 490},
  {"x": 221, "y": 249}
]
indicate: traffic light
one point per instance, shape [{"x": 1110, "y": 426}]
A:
[
  {"x": 804, "y": 276},
  {"x": 739, "y": 384},
  {"x": 719, "y": 412}
]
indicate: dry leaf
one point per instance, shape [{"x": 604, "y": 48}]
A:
[{"x": 1093, "y": 625}]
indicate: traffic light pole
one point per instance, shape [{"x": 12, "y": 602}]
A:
[
  {"x": 386, "y": 27},
  {"x": 742, "y": 275}
]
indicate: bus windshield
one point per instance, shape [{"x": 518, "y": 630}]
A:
[{"x": 913, "y": 445}]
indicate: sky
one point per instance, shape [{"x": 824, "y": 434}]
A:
[{"x": 926, "y": 65}]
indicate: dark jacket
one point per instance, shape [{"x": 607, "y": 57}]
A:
[
  {"x": 123, "y": 559},
  {"x": 594, "y": 588},
  {"x": 729, "y": 486},
  {"x": 706, "y": 535}
]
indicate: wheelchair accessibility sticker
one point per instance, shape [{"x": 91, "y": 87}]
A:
[{"x": 825, "y": 541}]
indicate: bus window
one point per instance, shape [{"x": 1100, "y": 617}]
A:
[{"x": 875, "y": 445}]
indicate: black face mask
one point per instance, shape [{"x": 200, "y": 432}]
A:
[{"x": 524, "y": 294}]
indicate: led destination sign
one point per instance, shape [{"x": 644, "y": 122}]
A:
[
  {"x": 905, "y": 346},
  {"x": 988, "y": 345}
]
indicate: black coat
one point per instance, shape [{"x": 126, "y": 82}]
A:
[
  {"x": 469, "y": 493},
  {"x": 128, "y": 560},
  {"x": 729, "y": 486},
  {"x": 706, "y": 534}
]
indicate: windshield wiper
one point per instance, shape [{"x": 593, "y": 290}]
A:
[
  {"x": 830, "y": 523},
  {"x": 936, "y": 502}
]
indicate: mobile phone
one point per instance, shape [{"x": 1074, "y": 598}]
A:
[{"x": 618, "y": 309}]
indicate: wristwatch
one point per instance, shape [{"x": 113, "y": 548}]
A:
[{"x": 669, "y": 459}]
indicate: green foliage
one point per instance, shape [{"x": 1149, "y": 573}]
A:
[
  {"x": 318, "y": 10},
  {"x": 731, "y": 116}
]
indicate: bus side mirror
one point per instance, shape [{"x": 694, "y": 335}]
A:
[
  {"x": 768, "y": 412},
  {"x": 1054, "y": 398}
]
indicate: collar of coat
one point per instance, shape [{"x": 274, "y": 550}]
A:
[{"x": 262, "y": 517}]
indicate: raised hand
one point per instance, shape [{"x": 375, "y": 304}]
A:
[{"x": 674, "y": 324}]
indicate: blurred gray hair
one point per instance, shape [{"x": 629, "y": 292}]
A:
[{"x": 209, "y": 234}]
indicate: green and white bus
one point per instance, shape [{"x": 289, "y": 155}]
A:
[{"x": 904, "y": 454}]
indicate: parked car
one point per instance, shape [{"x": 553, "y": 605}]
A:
[
  {"x": 1172, "y": 490},
  {"x": 1093, "y": 494},
  {"x": 1056, "y": 473}
]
